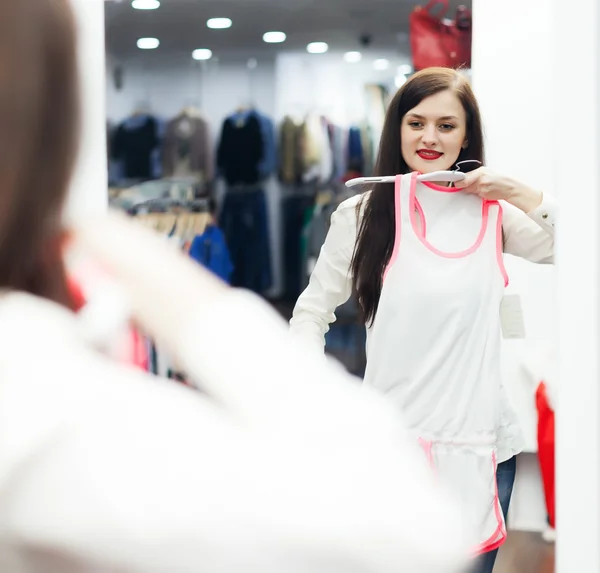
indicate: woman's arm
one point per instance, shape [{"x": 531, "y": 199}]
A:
[
  {"x": 528, "y": 214},
  {"x": 530, "y": 235},
  {"x": 281, "y": 464},
  {"x": 330, "y": 283}
]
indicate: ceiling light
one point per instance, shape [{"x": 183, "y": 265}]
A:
[
  {"x": 400, "y": 80},
  {"x": 202, "y": 54},
  {"x": 381, "y": 64},
  {"x": 148, "y": 43},
  {"x": 405, "y": 69},
  {"x": 145, "y": 4},
  {"x": 219, "y": 23},
  {"x": 274, "y": 37},
  {"x": 352, "y": 57},
  {"x": 317, "y": 48}
]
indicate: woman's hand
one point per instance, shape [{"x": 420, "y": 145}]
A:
[{"x": 491, "y": 186}]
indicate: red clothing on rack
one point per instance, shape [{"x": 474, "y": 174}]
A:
[{"x": 546, "y": 444}]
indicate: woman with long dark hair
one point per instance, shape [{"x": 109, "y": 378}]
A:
[
  {"x": 106, "y": 468},
  {"x": 425, "y": 264}
]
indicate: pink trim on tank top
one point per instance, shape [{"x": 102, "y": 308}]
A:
[
  {"x": 442, "y": 188},
  {"x": 421, "y": 213},
  {"x": 500, "y": 243},
  {"x": 494, "y": 541},
  {"x": 423, "y": 239},
  {"x": 398, "y": 222}
]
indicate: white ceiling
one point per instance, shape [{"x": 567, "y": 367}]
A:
[{"x": 180, "y": 25}]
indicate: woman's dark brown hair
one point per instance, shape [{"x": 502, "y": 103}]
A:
[
  {"x": 39, "y": 119},
  {"x": 376, "y": 231}
]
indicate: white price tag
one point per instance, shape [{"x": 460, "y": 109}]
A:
[{"x": 511, "y": 317}]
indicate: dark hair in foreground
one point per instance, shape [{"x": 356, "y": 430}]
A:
[{"x": 39, "y": 115}]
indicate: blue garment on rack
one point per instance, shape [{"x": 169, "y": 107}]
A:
[
  {"x": 135, "y": 149},
  {"x": 355, "y": 150},
  {"x": 210, "y": 250},
  {"x": 267, "y": 165},
  {"x": 245, "y": 224}
]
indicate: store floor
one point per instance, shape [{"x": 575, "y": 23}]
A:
[{"x": 525, "y": 552}]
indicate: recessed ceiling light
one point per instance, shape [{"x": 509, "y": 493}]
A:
[
  {"x": 145, "y": 4},
  {"x": 381, "y": 64},
  {"x": 317, "y": 48},
  {"x": 400, "y": 80},
  {"x": 274, "y": 37},
  {"x": 219, "y": 23},
  {"x": 352, "y": 57},
  {"x": 148, "y": 43},
  {"x": 202, "y": 54}
]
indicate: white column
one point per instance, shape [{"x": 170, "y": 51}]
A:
[
  {"x": 535, "y": 72},
  {"x": 576, "y": 120},
  {"x": 513, "y": 78},
  {"x": 90, "y": 181}
]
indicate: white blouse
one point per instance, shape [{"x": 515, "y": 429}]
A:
[
  {"x": 529, "y": 236},
  {"x": 282, "y": 464}
]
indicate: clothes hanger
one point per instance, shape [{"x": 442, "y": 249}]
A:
[{"x": 449, "y": 176}]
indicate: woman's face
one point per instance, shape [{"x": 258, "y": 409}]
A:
[{"x": 433, "y": 133}]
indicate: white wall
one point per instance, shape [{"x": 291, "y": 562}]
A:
[
  {"x": 328, "y": 85},
  {"x": 575, "y": 91},
  {"x": 89, "y": 184},
  {"x": 293, "y": 82},
  {"x": 513, "y": 86},
  {"x": 169, "y": 82}
]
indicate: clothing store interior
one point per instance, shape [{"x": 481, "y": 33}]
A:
[{"x": 235, "y": 129}]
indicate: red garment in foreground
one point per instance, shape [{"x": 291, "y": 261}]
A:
[
  {"x": 546, "y": 444},
  {"x": 134, "y": 350}
]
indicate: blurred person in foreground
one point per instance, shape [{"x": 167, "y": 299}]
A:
[{"x": 106, "y": 468}]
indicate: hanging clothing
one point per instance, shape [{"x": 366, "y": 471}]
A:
[
  {"x": 546, "y": 449},
  {"x": 366, "y": 142},
  {"x": 355, "y": 150},
  {"x": 133, "y": 144},
  {"x": 339, "y": 147},
  {"x": 241, "y": 149},
  {"x": 290, "y": 143},
  {"x": 186, "y": 148},
  {"x": 210, "y": 250},
  {"x": 294, "y": 209},
  {"x": 447, "y": 379},
  {"x": 245, "y": 224},
  {"x": 268, "y": 165}
]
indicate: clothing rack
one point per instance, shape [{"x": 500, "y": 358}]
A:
[
  {"x": 166, "y": 204},
  {"x": 176, "y": 218}
]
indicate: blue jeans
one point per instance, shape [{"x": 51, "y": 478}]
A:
[
  {"x": 505, "y": 477},
  {"x": 245, "y": 225}
]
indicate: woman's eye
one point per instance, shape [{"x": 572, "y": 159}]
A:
[
  {"x": 446, "y": 126},
  {"x": 415, "y": 124}
]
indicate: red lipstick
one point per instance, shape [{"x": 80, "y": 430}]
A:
[{"x": 429, "y": 154}]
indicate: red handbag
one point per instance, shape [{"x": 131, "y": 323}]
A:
[{"x": 439, "y": 41}]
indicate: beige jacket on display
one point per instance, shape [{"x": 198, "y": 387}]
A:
[{"x": 283, "y": 464}]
